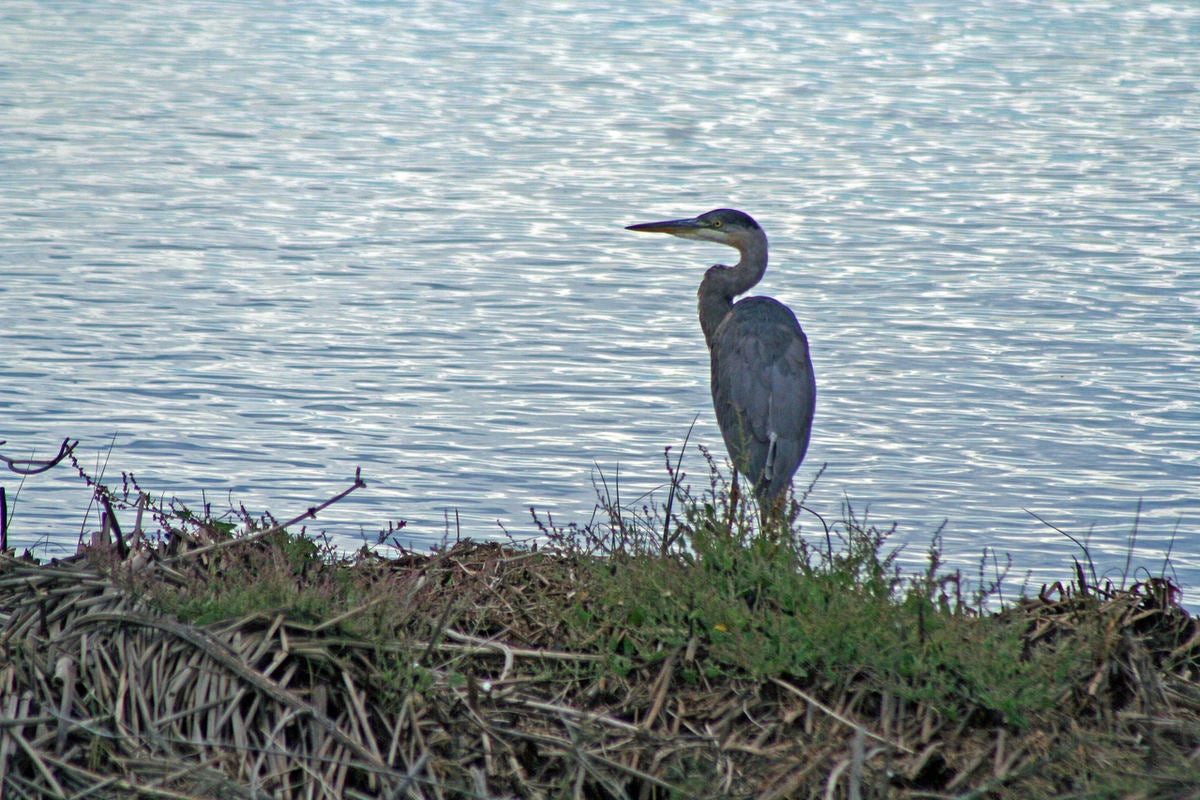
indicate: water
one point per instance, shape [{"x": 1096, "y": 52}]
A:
[{"x": 249, "y": 247}]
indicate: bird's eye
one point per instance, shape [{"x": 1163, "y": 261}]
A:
[{"x": 716, "y": 223}]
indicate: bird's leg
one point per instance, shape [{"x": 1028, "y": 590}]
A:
[
  {"x": 772, "y": 517},
  {"x": 769, "y": 464},
  {"x": 734, "y": 497},
  {"x": 778, "y": 507}
]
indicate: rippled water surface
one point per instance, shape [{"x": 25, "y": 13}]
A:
[{"x": 247, "y": 247}]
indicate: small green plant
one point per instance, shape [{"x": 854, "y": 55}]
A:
[{"x": 767, "y": 600}]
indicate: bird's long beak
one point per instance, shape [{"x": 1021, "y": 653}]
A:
[{"x": 675, "y": 227}]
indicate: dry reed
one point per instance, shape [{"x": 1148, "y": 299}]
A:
[{"x": 480, "y": 690}]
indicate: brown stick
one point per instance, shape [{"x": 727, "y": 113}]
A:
[{"x": 311, "y": 513}]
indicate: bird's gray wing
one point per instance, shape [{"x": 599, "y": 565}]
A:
[{"x": 763, "y": 391}]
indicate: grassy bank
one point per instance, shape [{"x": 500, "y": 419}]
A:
[{"x": 692, "y": 652}]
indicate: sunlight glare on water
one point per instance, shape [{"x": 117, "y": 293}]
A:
[{"x": 254, "y": 246}]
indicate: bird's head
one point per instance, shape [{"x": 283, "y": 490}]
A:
[{"x": 723, "y": 226}]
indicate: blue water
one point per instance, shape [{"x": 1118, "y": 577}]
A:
[{"x": 248, "y": 247}]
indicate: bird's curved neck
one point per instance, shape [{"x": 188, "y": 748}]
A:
[{"x": 721, "y": 284}]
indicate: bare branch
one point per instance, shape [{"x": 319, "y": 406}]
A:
[{"x": 31, "y": 466}]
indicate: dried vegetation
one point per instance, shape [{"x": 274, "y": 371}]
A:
[{"x": 216, "y": 660}]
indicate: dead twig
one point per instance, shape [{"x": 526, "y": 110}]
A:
[
  {"x": 311, "y": 513},
  {"x": 31, "y": 466}
]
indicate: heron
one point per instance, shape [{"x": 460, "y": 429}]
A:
[{"x": 763, "y": 388}]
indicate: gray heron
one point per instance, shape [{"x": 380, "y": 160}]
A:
[{"x": 763, "y": 388}]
